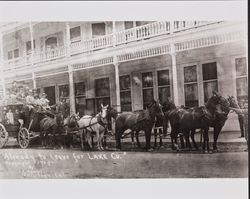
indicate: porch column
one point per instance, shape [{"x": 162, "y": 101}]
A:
[
  {"x": 32, "y": 53},
  {"x": 174, "y": 75},
  {"x": 71, "y": 91},
  {"x": 72, "y": 102},
  {"x": 114, "y": 31},
  {"x": 117, "y": 85},
  {"x": 2, "y": 64}
]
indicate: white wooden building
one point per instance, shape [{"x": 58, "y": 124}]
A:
[{"x": 127, "y": 63}]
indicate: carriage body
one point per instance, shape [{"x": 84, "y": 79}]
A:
[{"x": 12, "y": 126}]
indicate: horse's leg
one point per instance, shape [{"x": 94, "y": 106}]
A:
[
  {"x": 241, "y": 122},
  {"x": 81, "y": 138},
  {"x": 118, "y": 138},
  {"x": 155, "y": 136},
  {"x": 89, "y": 139},
  {"x": 132, "y": 139},
  {"x": 101, "y": 139},
  {"x": 186, "y": 135},
  {"x": 161, "y": 137},
  {"x": 148, "y": 138},
  {"x": 182, "y": 140},
  {"x": 217, "y": 130},
  {"x": 193, "y": 140},
  {"x": 137, "y": 139},
  {"x": 206, "y": 140}
]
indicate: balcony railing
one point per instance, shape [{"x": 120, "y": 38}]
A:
[{"x": 119, "y": 38}]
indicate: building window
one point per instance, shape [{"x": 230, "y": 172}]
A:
[
  {"x": 64, "y": 91},
  {"x": 147, "y": 88},
  {"x": 28, "y": 46},
  {"x": 102, "y": 91},
  {"x": 241, "y": 79},
  {"x": 191, "y": 86},
  {"x": 13, "y": 54},
  {"x": 163, "y": 81},
  {"x": 128, "y": 24},
  {"x": 51, "y": 43},
  {"x": 210, "y": 82},
  {"x": 98, "y": 29},
  {"x": 80, "y": 97},
  {"x": 125, "y": 93},
  {"x": 75, "y": 34}
]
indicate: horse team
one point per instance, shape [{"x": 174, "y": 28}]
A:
[{"x": 183, "y": 121}]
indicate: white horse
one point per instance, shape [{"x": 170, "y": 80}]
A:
[{"x": 96, "y": 124}]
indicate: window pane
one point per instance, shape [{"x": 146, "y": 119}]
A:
[
  {"x": 148, "y": 97},
  {"x": 125, "y": 82},
  {"x": 190, "y": 74},
  {"x": 64, "y": 91},
  {"x": 98, "y": 29},
  {"x": 10, "y": 55},
  {"x": 28, "y": 46},
  {"x": 16, "y": 53},
  {"x": 80, "y": 89},
  {"x": 147, "y": 79},
  {"x": 209, "y": 87},
  {"x": 164, "y": 94},
  {"x": 209, "y": 71},
  {"x": 128, "y": 24},
  {"x": 51, "y": 42},
  {"x": 241, "y": 66},
  {"x": 163, "y": 77},
  {"x": 102, "y": 87},
  {"x": 75, "y": 32},
  {"x": 241, "y": 86},
  {"x": 90, "y": 107},
  {"x": 191, "y": 95},
  {"x": 81, "y": 105},
  {"x": 126, "y": 101}
]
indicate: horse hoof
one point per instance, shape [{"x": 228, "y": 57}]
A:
[
  {"x": 150, "y": 150},
  {"x": 215, "y": 150}
]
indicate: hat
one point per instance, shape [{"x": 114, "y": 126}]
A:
[{"x": 44, "y": 94}]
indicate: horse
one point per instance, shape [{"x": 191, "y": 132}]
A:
[
  {"x": 183, "y": 120},
  {"x": 70, "y": 123},
  {"x": 97, "y": 124},
  {"x": 234, "y": 104},
  {"x": 38, "y": 121},
  {"x": 51, "y": 126},
  {"x": 136, "y": 121}
]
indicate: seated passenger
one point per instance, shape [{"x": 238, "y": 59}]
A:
[{"x": 44, "y": 102}]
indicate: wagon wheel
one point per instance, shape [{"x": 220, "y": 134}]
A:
[
  {"x": 23, "y": 138},
  {"x": 3, "y": 136}
]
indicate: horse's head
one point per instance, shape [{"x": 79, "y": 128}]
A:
[
  {"x": 156, "y": 108},
  {"x": 111, "y": 112},
  {"x": 168, "y": 105},
  {"x": 232, "y": 102},
  {"x": 104, "y": 110},
  {"x": 72, "y": 120},
  {"x": 217, "y": 103}
]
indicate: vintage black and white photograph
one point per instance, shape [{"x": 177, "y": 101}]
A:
[
  {"x": 124, "y": 99},
  {"x": 138, "y": 98}
]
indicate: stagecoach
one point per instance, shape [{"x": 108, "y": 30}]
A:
[{"x": 14, "y": 128}]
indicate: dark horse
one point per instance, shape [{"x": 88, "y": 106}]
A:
[
  {"x": 137, "y": 121},
  {"x": 184, "y": 120},
  {"x": 37, "y": 121}
]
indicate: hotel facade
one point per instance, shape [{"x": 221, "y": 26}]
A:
[{"x": 126, "y": 64}]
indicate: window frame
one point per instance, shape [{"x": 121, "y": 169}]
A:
[
  {"x": 191, "y": 83},
  {"x": 210, "y": 80},
  {"x": 126, "y": 90},
  {"x": 78, "y": 38}
]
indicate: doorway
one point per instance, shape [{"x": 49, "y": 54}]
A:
[{"x": 51, "y": 94}]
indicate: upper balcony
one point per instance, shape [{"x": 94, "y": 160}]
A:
[{"x": 124, "y": 37}]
